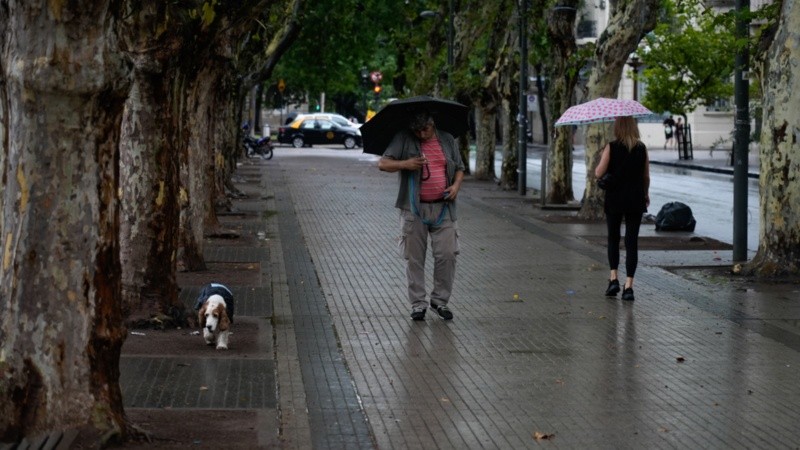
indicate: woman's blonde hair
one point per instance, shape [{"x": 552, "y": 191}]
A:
[{"x": 627, "y": 131}]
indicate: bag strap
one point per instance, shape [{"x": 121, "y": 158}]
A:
[{"x": 413, "y": 200}]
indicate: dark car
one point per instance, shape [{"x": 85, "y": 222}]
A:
[{"x": 307, "y": 131}]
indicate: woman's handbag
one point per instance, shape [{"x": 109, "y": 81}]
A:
[{"x": 606, "y": 182}]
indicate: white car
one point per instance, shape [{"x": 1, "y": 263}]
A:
[{"x": 338, "y": 119}]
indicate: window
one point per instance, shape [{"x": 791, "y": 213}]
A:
[
  {"x": 586, "y": 29},
  {"x": 720, "y": 105}
]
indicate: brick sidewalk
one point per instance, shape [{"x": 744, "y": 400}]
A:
[
  {"x": 535, "y": 349},
  {"x": 187, "y": 394},
  {"x": 683, "y": 366}
]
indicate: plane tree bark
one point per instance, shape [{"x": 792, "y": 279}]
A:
[
  {"x": 630, "y": 21},
  {"x": 508, "y": 64},
  {"x": 60, "y": 318},
  {"x": 563, "y": 69},
  {"x": 779, "y": 235},
  {"x": 150, "y": 140}
]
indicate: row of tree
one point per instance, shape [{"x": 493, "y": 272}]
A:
[{"x": 117, "y": 138}]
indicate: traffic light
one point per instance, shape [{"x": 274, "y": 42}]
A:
[{"x": 377, "y": 89}]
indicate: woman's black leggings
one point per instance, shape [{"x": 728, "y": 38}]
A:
[{"x": 632, "y": 222}]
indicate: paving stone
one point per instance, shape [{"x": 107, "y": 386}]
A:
[{"x": 534, "y": 346}]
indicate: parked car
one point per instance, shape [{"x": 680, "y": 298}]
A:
[
  {"x": 307, "y": 130},
  {"x": 338, "y": 119}
]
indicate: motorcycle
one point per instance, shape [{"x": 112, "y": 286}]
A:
[{"x": 257, "y": 146}]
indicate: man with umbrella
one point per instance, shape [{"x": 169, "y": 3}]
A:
[{"x": 431, "y": 171}]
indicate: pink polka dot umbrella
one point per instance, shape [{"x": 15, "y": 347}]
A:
[{"x": 601, "y": 110}]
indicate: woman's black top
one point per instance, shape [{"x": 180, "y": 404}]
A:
[{"x": 627, "y": 194}]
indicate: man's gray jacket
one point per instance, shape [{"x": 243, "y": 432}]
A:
[{"x": 405, "y": 145}]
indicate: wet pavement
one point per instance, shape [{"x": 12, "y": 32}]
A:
[
  {"x": 704, "y": 183},
  {"x": 536, "y": 354}
]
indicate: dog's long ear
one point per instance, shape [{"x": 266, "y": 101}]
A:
[
  {"x": 201, "y": 316},
  {"x": 224, "y": 322}
]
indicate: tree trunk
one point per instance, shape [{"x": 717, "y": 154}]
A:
[
  {"x": 226, "y": 149},
  {"x": 779, "y": 236},
  {"x": 593, "y": 199},
  {"x": 60, "y": 319},
  {"x": 463, "y": 148},
  {"x": 149, "y": 229},
  {"x": 149, "y": 149},
  {"x": 508, "y": 86},
  {"x": 559, "y": 168},
  {"x": 200, "y": 182},
  {"x": 508, "y": 171},
  {"x": 485, "y": 118},
  {"x": 630, "y": 20},
  {"x": 563, "y": 78}
]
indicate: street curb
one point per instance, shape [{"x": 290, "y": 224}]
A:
[{"x": 702, "y": 168}]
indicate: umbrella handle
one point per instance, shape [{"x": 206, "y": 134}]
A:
[{"x": 426, "y": 168}]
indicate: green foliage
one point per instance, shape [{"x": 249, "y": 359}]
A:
[
  {"x": 688, "y": 58},
  {"x": 538, "y": 40},
  {"x": 337, "y": 39},
  {"x": 483, "y": 43}
]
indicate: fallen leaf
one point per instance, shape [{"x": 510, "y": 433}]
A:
[{"x": 539, "y": 436}]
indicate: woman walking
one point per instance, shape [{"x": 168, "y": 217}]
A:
[{"x": 626, "y": 160}]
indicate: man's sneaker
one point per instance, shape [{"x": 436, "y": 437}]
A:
[
  {"x": 418, "y": 313},
  {"x": 613, "y": 288},
  {"x": 442, "y": 311},
  {"x": 627, "y": 294}
]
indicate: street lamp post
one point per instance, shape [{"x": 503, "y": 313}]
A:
[
  {"x": 635, "y": 63},
  {"x": 741, "y": 140}
]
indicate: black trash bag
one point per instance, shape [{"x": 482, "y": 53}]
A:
[{"x": 675, "y": 216}]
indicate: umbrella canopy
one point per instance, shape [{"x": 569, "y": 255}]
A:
[
  {"x": 601, "y": 110},
  {"x": 378, "y": 132}
]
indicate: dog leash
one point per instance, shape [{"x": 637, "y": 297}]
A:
[{"x": 412, "y": 199}]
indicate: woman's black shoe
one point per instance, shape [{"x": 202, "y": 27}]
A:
[
  {"x": 627, "y": 294},
  {"x": 613, "y": 288}
]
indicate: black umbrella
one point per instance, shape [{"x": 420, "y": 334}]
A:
[{"x": 378, "y": 132}]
